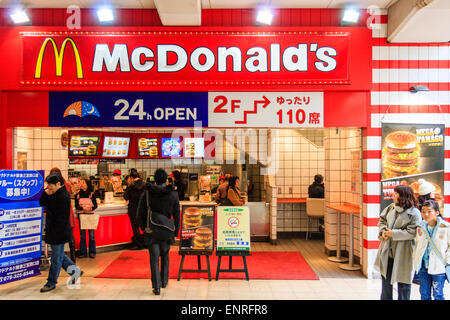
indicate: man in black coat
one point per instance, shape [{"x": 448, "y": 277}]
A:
[
  {"x": 132, "y": 195},
  {"x": 56, "y": 203},
  {"x": 317, "y": 189},
  {"x": 163, "y": 200}
]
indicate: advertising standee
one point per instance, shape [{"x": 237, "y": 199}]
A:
[
  {"x": 20, "y": 224},
  {"x": 411, "y": 152}
]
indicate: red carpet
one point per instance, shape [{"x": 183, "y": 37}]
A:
[{"x": 273, "y": 265}]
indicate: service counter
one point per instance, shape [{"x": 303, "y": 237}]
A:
[{"x": 113, "y": 226}]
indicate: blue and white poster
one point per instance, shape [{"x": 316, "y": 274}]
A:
[
  {"x": 20, "y": 224},
  {"x": 128, "y": 109}
]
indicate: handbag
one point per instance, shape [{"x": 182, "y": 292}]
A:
[
  {"x": 433, "y": 246},
  {"x": 158, "y": 226},
  {"x": 89, "y": 221}
]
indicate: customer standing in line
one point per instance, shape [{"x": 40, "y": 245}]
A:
[
  {"x": 86, "y": 203},
  {"x": 163, "y": 200},
  {"x": 56, "y": 203},
  {"x": 234, "y": 192},
  {"x": 430, "y": 267},
  {"x": 132, "y": 195},
  {"x": 71, "y": 218},
  {"x": 397, "y": 230}
]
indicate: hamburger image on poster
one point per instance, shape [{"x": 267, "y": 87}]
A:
[{"x": 401, "y": 154}]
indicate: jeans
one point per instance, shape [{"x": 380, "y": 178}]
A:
[
  {"x": 431, "y": 283},
  {"x": 159, "y": 249},
  {"x": 83, "y": 248},
  {"x": 404, "y": 289},
  {"x": 58, "y": 260}
]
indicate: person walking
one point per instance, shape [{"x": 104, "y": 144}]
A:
[
  {"x": 163, "y": 200},
  {"x": 397, "y": 230},
  {"x": 86, "y": 203},
  {"x": 72, "y": 218},
  {"x": 430, "y": 264},
  {"x": 132, "y": 195},
  {"x": 56, "y": 203}
]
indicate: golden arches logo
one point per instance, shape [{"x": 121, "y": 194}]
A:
[{"x": 59, "y": 55}]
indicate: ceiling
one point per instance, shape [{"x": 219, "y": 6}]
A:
[{"x": 409, "y": 21}]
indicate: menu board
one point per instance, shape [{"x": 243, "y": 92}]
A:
[
  {"x": 148, "y": 147},
  {"x": 233, "y": 229},
  {"x": 116, "y": 147},
  {"x": 83, "y": 145},
  {"x": 194, "y": 147},
  {"x": 197, "y": 227},
  {"x": 171, "y": 147},
  {"x": 411, "y": 152}
]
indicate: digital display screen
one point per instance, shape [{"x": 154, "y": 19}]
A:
[
  {"x": 82, "y": 145},
  {"x": 194, "y": 147},
  {"x": 116, "y": 147},
  {"x": 148, "y": 147},
  {"x": 171, "y": 147}
]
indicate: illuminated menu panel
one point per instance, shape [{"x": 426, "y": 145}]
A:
[
  {"x": 171, "y": 147},
  {"x": 194, "y": 147},
  {"x": 116, "y": 147},
  {"x": 148, "y": 147},
  {"x": 82, "y": 145}
]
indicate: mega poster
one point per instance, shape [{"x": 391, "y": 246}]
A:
[
  {"x": 20, "y": 224},
  {"x": 197, "y": 228},
  {"x": 411, "y": 152},
  {"x": 233, "y": 228}
]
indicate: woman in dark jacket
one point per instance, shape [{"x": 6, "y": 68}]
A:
[
  {"x": 86, "y": 192},
  {"x": 164, "y": 200},
  {"x": 133, "y": 195}
]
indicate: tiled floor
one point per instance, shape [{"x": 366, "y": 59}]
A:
[{"x": 331, "y": 286}]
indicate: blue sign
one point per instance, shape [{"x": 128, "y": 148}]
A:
[
  {"x": 19, "y": 185},
  {"x": 20, "y": 224},
  {"x": 128, "y": 109}
]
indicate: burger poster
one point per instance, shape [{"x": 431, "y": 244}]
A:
[
  {"x": 197, "y": 228},
  {"x": 411, "y": 152},
  {"x": 233, "y": 229}
]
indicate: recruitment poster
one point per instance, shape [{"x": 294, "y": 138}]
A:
[
  {"x": 197, "y": 228},
  {"x": 233, "y": 229},
  {"x": 20, "y": 224},
  {"x": 411, "y": 152}
]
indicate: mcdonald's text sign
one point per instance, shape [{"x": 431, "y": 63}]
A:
[{"x": 186, "y": 58}]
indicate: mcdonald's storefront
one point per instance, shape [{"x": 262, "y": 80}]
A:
[{"x": 296, "y": 90}]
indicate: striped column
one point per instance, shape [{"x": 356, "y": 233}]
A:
[{"x": 395, "y": 68}]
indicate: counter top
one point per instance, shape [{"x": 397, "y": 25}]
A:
[
  {"x": 346, "y": 208},
  {"x": 198, "y": 203},
  {"x": 291, "y": 200}
]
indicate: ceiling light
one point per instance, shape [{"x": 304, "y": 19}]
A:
[
  {"x": 351, "y": 15},
  {"x": 105, "y": 15},
  {"x": 19, "y": 16},
  {"x": 264, "y": 16}
]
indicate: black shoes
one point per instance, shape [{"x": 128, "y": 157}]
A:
[
  {"x": 92, "y": 255},
  {"x": 47, "y": 288},
  {"x": 163, "y": 285},
  {"x": 157, "y": 291}
]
